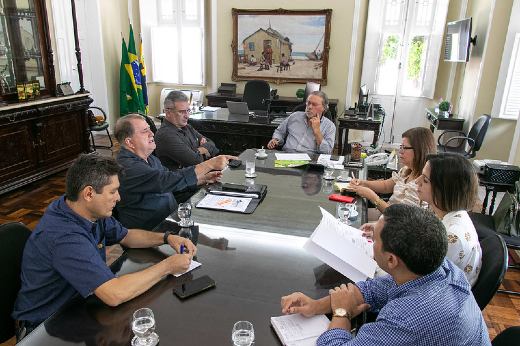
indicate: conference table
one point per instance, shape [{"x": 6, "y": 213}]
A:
[{"x": 254, "y": 265}]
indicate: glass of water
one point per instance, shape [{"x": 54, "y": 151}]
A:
[
  {"x": 184, "y": 212},
  {"x": 243, "y": 333},
  {"x": 250, "y": 169},
  {"x": 143, "y": 327}
]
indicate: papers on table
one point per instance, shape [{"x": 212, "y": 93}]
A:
[
  {"x": 194, "y": 264},
  {"x": 228, "y": 203},
  {"x": 290, "y": 163},
  {"x": 342, "y": 186},
  {"x": 210, "y": 109},
  {"x": 343, "y": 248},
  {"x": 325, "y": 160},
  {"x": 293, "y": 156},
  {"x": 298, "y": 330}
]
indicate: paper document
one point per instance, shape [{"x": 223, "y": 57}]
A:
[
  {"x": 290, "y": 163},
  {"x": 292, "y": 156},
  {"x": 343, "y": 248},
  {"x": 298, "y": 330},
  {"x": 194, "y": 264},
  {"x": 229, "y": 203},
  {"x": 325, "y": 160},
  {"x": 210, "y": 109}
]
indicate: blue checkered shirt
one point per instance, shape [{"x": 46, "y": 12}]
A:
[{"x": 436, "y": 309}]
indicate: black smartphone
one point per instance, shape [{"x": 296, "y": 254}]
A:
[
  {"x": 334, "y": 157},
  {"x": 234, "y": 187},
  {"x": 194, "y": 286}
]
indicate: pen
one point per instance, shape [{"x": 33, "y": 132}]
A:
[
  {"x": 352, "y": 173},
  {"x": 182, "y": 249}
]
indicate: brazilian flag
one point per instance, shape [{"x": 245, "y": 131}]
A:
[
  {"x": 136, "y": 73},
  {"x": 143, "y": 79},
  {"x": 128, "y": 100}
]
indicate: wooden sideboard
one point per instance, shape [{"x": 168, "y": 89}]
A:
[
  {"x": 218, "y": 100},
  {"x": 40, "y": 138}
]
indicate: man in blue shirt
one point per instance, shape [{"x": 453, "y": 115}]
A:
[
  {"x": 147, "y": 187},
  {"x": 307, "y": 132},
  {"x": 425, "y": 299},
  {"x": 65, "y": 253}
]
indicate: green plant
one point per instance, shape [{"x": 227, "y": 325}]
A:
[
  {"x": 390, "y": 48},
  {"x": 300, "y": 93},
  {"x": 444, "y": 106},
  {"x": 414, "y": 58}
]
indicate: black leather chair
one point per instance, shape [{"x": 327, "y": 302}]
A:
[
  {"x": 257, "y": 94},
  {"x": 468, "y": 145},
  {"x": 494, "y": 266},
  {"x": 13, "y": 236},
  {"x": 485, "y": 227},
  {"x": 508, "y": 337},
  {"x": 101, "y": 125}
]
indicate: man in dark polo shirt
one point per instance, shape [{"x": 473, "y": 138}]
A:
[
  {"x": 65, "y": 253},
  {"x": 178, "y": 143}
]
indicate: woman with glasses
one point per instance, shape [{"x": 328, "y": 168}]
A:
[
  {"x": 416, "y": 144},
  {"x": 449, "y": 185}
]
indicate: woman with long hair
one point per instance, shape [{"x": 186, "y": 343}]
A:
[{"x": 449, "y": 185}]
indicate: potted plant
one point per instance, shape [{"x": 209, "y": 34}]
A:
[
  {"x": 445, "y": 107},
  {"x": 300, "y": 93}
]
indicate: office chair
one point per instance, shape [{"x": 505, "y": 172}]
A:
[
  {"x": 310, "y": 87},
  {"x": 494, "y": 266},
  {"x": 13, "y": 236},
  {"x": 468, "y": 145},
  {"x": 99, "y": 125},
  {"x": 257, "y": 94},
  {"x": 507, "y": 337},
  {"x": 485, "y": 227}
]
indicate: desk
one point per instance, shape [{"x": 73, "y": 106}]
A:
[
  {"x": 252, "y": 273},
  {"x": 442, "y": 123},
  {"x": 218, "y": 100},
  {"x": 346, "y": 124},
  {"x": 287, "y": 207},
  {"x": 493, "y": 187}
]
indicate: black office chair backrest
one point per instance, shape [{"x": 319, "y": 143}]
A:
[
  {"x": 494, "y": 266},
  {"x": 478, "y": 131},
  {"x": 310, "y": 87},
  {"x": 13, "y": 236},
  {"x": 508, "y": 337},
  {"x": 257, "y": 94}
]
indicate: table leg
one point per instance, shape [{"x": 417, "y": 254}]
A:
[
  {"x": 374, "y": 141},
  {"x": 492, "y": 206},
  {"x": 484, "y": 203},
  {"x": 340, "y": 142}
]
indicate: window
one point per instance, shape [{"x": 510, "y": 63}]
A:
[
  {"x": 510, "y": 105},
  {"x": 175, "y": 30}
]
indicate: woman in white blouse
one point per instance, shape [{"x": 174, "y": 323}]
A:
[
  {"x": 449, "y": 185},
  {"x": 416, "y": 144}
]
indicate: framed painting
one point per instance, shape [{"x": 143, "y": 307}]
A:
[{"x": 281, "y": 46}]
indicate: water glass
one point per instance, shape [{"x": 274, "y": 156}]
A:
[
  {"x": 143, "y": 327},
  {"x": 328, "y": 173},
  {"x": 250, "y": 169},
  {"x": 243, "y": 334},
  {"x": 184, "y": 212}
]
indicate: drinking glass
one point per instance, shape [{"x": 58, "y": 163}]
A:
[
  {"x": 250, "y": 169},
  {"x": 328, "y": 173},
  {"x": 143, "y": 327},
  {"x": 344, "y": 212},
  {"x": 185, "y": 232},
  {"x": 184, "y": 212},
  {"x": 243, "y": 333}
]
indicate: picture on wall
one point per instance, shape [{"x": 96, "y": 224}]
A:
[{"x": 281, "y": 46}]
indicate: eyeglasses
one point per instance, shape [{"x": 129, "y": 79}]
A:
[
  {"x": 313, "y": 104},
  {"x": 182, "y": 111},
  {"x": 402, "y": 149}
]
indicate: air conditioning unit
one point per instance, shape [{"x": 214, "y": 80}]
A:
[{"x": 194, "y": 95}]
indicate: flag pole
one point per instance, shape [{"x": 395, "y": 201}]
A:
[{"x": 78, "y": 50}]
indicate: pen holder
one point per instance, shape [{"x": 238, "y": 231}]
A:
[{"x": 355, "y": 151}]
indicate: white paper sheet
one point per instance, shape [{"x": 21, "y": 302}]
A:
[
  {"x": 324, "y": 159},
  {"x": 224, "y": 202},
  {"x": 194, "y": 264},
  {"x": 292, "y": 156},
  {"x": 300, "y": 330}
]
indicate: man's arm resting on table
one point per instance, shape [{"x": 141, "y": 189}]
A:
[{"x": 136, "y": 238}]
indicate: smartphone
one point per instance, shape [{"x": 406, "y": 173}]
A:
[
  {"x": 194, "y": 286},
  {"x": 334, "y": 157},
  {"x": 234, "y": 187}
]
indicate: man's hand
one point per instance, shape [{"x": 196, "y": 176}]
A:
[
  {"x": 368, "y": 229},
  {"x": 203, "y": 141},
  {"x": 298, "y": 303},
  {"x": 204, "y": 151},
  {"x": 315, "y": 123},
  {"x": 272, "y": 143},
  {"x": 211, "y": 177},
  {"x": 175, "y": 242},
  {"x": 220, "y": 162},
  {"x": 178, "y": 264},
  {"x": 349, "y": 298}
]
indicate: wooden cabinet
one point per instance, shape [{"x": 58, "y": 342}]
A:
[{"x": 40, "y": 138}]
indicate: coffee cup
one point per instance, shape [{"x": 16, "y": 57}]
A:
[{"x": 261, "y": 153}]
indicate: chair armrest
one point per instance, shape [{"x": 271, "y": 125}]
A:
[
  {"x": 102, "y": 112},
  {"x": 449, "y": 131},
  {"x": 470, "y": 141}
]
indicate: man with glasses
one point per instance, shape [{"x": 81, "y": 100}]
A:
[
  {"x": 307, "y": 132},
  {"x": 178, "y": 143}
]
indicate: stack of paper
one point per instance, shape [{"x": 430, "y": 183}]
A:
[
  {"x": 343, "y": 248},
  {"x": 298, "y": 330}
]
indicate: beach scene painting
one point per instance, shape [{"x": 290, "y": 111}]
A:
[{"x": 282, "y": 46}]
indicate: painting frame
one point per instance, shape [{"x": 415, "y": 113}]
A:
[{"x": 306, "y": 67}]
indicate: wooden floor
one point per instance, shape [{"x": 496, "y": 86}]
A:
[{"x": 27, "y": 205}]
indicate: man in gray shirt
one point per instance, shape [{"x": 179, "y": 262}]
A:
[
  {"x": 307, "y": 132},
  {"x": 179, "y": 145}
]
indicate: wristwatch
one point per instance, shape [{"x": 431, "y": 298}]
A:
[
  {"x": 340, "y": 312},
  {"x": 166, "y": 235}
]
